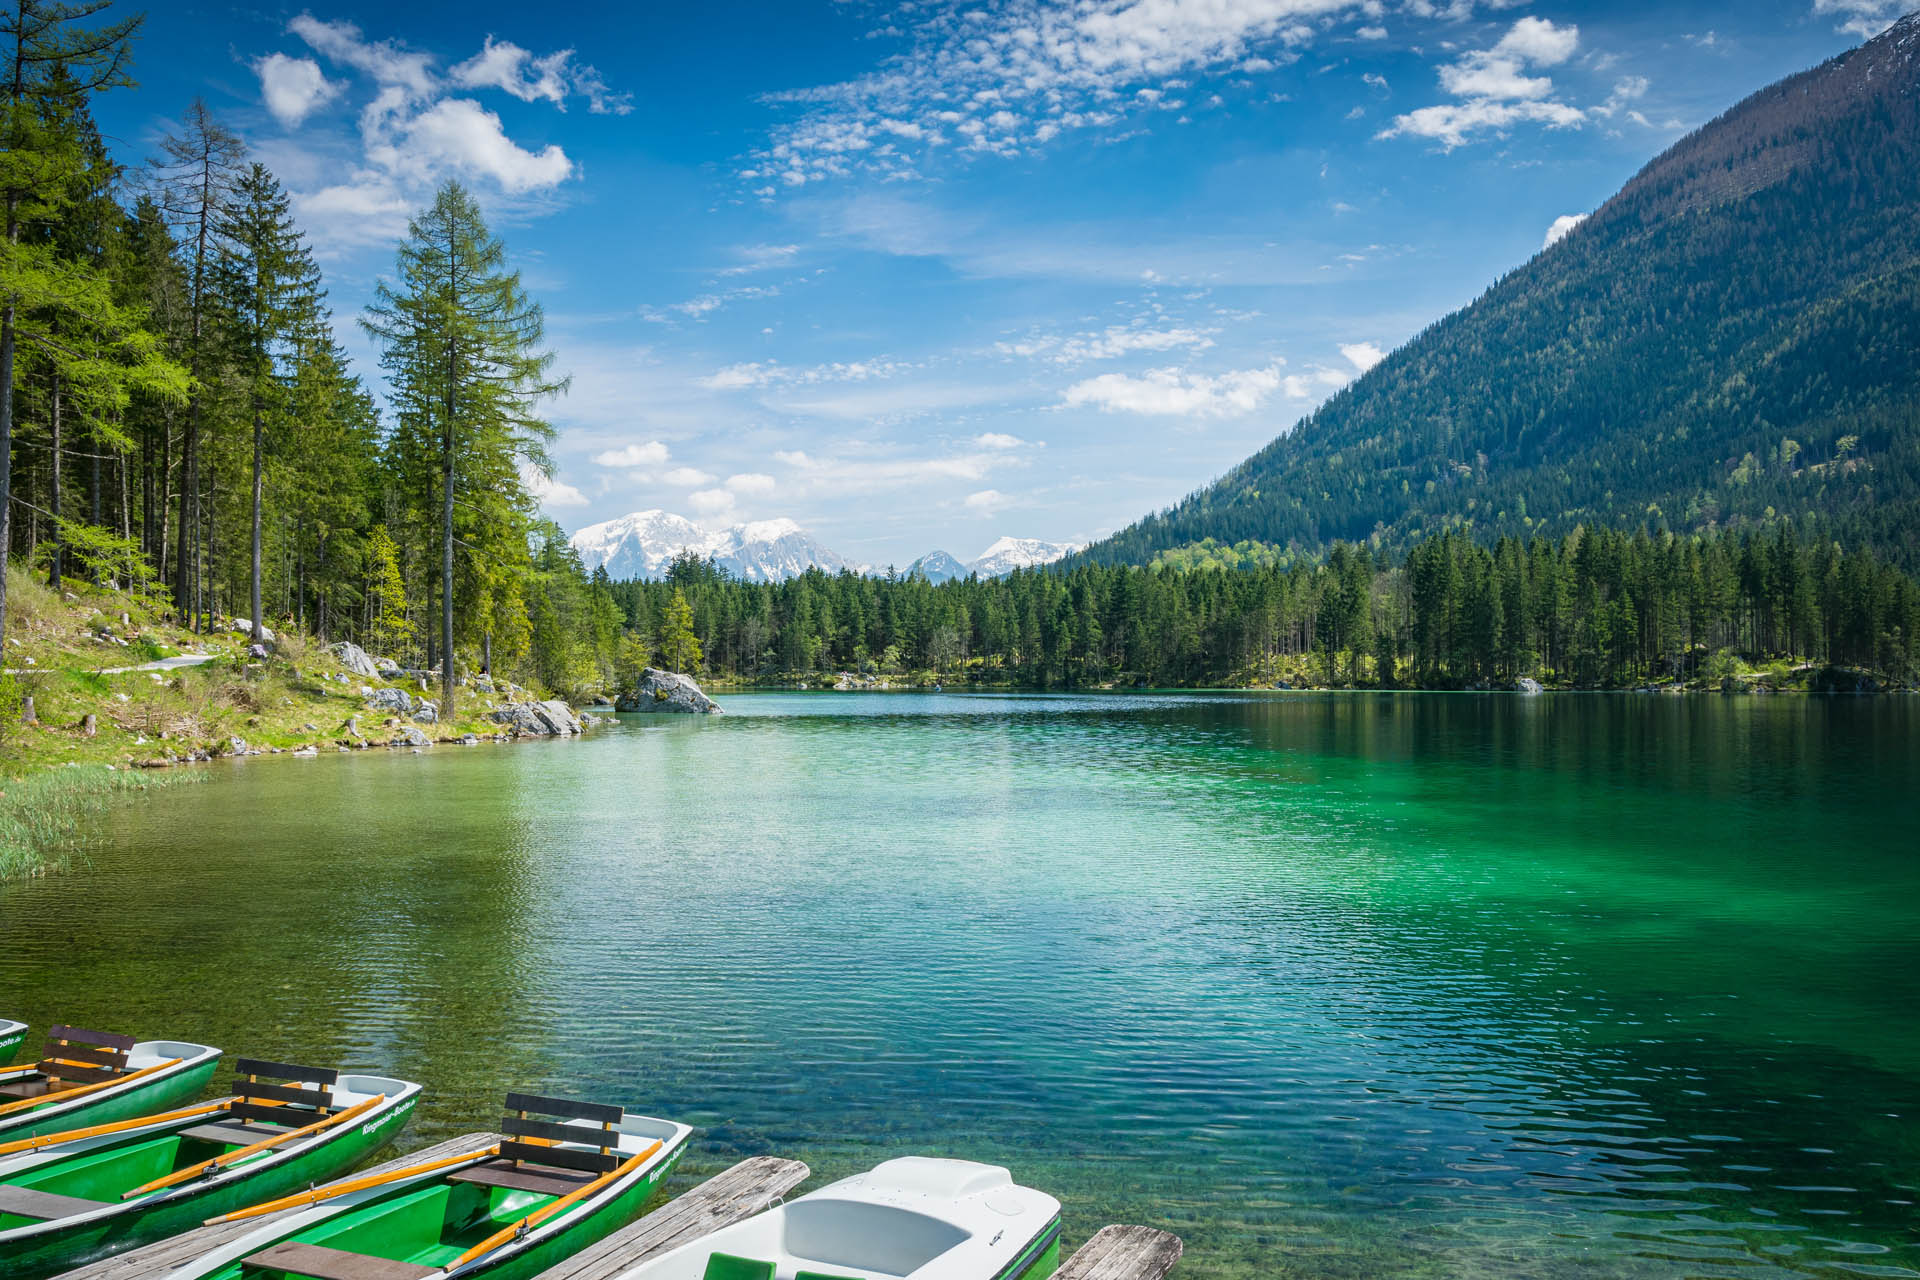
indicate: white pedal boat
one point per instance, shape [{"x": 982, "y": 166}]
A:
[{"x": 913, "y": 1217}]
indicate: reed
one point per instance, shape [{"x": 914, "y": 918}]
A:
[{"x": 45, "y": 816}]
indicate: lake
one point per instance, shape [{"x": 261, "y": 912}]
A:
[{"x": 1331, "y": 985}]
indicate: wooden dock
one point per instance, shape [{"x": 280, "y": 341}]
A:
[
  {"x": 750, "y": 1187},
  {"x": 164, "y": 1255},
  {"x": 1123, "y": 1253}
]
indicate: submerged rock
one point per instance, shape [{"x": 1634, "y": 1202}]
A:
[
  {"x": 354, "y": 659},
  {"x": 668, "y": 691}
]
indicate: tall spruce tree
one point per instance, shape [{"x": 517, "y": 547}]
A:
[
  {"x": 461, "y": 344},
  {"x": 270, "y": 290},
  {"x": 194, "y": 178}
]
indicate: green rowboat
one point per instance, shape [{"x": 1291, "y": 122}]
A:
[
  {"x": 93, "y": 1077},
  {"x": 12, "y": 1036},
  {"x": 67, "y": 1199},
  {"x": 508, "y": 1211}
]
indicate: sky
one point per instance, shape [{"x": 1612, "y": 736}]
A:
[{"x": 919, "y": 274}]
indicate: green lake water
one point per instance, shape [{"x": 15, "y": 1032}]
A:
[{"x": 1331, "y": 985}]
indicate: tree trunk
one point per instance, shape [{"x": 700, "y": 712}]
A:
[
  {"x": 53, "y": 561},
  {"x": 259, "y": 483},
  {"x": 6, "y": 440}
]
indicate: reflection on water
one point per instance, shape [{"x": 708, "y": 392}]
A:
[{"x": 1331, "y": 985}]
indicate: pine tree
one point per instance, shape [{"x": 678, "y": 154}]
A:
[
  {"x": 679, "y": 647},
  {"x": 460, "y": 342},
  {"x": 270, "y": 289}
]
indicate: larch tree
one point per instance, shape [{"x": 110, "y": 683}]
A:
[
  {"x": 462, "y": 347},
  {"x": 193, "y": 179},
  {"x": 54, "y": 60},
  {"x": 270, "y": 291}
]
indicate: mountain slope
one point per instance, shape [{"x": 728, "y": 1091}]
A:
[
  {"x": 1008, "y": 554},
  {"x": 1729, "y": 340},
  {"x": 644, "y": 544}
]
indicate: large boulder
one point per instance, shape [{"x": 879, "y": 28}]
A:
[
  {"x": 668, "y": 691},
  {"x": 408, "y": 736},
  {"x": 425, "y": 712},
  {"x": 539, "y": 719},
  {"x": 245, "y": 625},
  {"x": 398, "y": 701},
  {"x": 354, "y": 659},
  {"x": 1527, "y": 684}
]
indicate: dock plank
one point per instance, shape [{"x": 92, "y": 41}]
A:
[
  {"x": 164, "y": 1255},
  {"x": 749, "y": 1187},
  {"x": 1123, "y": 1253}
]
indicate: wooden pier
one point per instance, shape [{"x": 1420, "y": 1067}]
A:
[{"x": 1123, "y": 1253}]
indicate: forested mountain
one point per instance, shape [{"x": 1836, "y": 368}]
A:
[{"x": 1731, "y": 341}]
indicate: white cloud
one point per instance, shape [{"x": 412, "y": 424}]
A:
[
  {"x": 998, "y": 440},
  {"x": 772, "y": 373},
  {"x": 759, "y": 257},
  {"x": 1561, "y": 226},
  {"x": 1497, "y": 90},
  {"x": 386, "y": 63},
  {"x": 1175, "y": 393},
  {"x": 293, "y": 88},
  {"x": 710, "y": 502},
  {"x": 880, "y": 469},
  {"x": 650, "y": 454},
  {"x": 506, "y": 66},
  {"x": 751, "y": 482},
  {"x": 986, "y": 500},
  {"x": 1107, "y": 344},
  {"x": 688, "y": 477},
  {"x": 1006, "y": 78},
  {"x": 460, "y": 134},
  {"x": 1363, "y": 355},
  {"x": 549, "y": 492},
  {"x": 1866, "y": 18}
]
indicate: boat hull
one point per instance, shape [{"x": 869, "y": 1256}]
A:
[
  {"x": 150, "y": 1094},
  {"x": 55, "y": 1248},
  {"x": 1039, "y": 1259},
  {"x": 12, "y": 1036}
]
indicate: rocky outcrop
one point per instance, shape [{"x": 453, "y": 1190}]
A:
[
  {"x": 1527, "y": 684},
  {"x": 354, "y": 659},
  {"x": 668, "y": 691},
  {"x": 539, "y": 719},
  {"x": 408, "y": 736},
  {"x": 398, "y": 701}
]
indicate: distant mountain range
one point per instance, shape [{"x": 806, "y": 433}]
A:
[
  {"x": 644, "y": 544},
  {"x": 1727, "y": 342}
]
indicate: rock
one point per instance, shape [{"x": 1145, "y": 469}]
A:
[
  {"x": 468, "y": 740},
  {"x": 354, "y": 659},
  {"x": 426, "y": 713},
  {"x": 257, "y": 651},
  {"x": 246, "y": 625},
  {"x": 309, "y": 750},
  {"x": 602, "y": 700},
  {"x": 396, "y": 700},
  {"x": 236, "y": 746},
  {"x": 386, "y": 668},
  {"x": 668, "y": 691},
  {"x": 408, "y": 736},
  {"x": 1527, "y": 684},
  {"x": 539, "y": 719}
]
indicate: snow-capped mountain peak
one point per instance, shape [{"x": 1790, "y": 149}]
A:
[
  {"x": 645, "y": 543},
  {"x": 1009, "y": 554}
]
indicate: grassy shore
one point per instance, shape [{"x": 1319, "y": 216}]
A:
[{"x": 102, "y": 731}]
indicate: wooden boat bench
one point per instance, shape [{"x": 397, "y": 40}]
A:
[
  {"x": 162, "y": 1256},
  {"x": 1123, "y": 1253},
  {"x": 25, "y": 1202},
  {"x": 73, "y": 1057},
  {"x": 522, "y": 1177},
  {"x": 234, "y": 1133},
  {"x": 322, "y": 1263}
]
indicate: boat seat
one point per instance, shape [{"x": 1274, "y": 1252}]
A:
[
  {"x": 322, "y": 1263},
  {"x": 25, "y": 1202},
  {"x": 724, "y": 1266},
  {"x": 233, "y": 1133},
  {"x": 504, "y": 1173}
]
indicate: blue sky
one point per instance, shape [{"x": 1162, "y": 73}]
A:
[{"x": 919, "y": 274}]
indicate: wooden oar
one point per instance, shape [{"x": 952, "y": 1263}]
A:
[
  {"x": 334, "y": 1189},
  {"x": 505, "y": 1234},
  {"x": 119, "y": 1126},
  {"x": 265, "y": 1144},
  {"x": 67, "y": 1095}
]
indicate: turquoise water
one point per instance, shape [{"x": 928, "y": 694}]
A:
[{"x": 1331, "y": 985}]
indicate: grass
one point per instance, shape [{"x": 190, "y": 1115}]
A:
[{"x": 43, "y": 815}]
